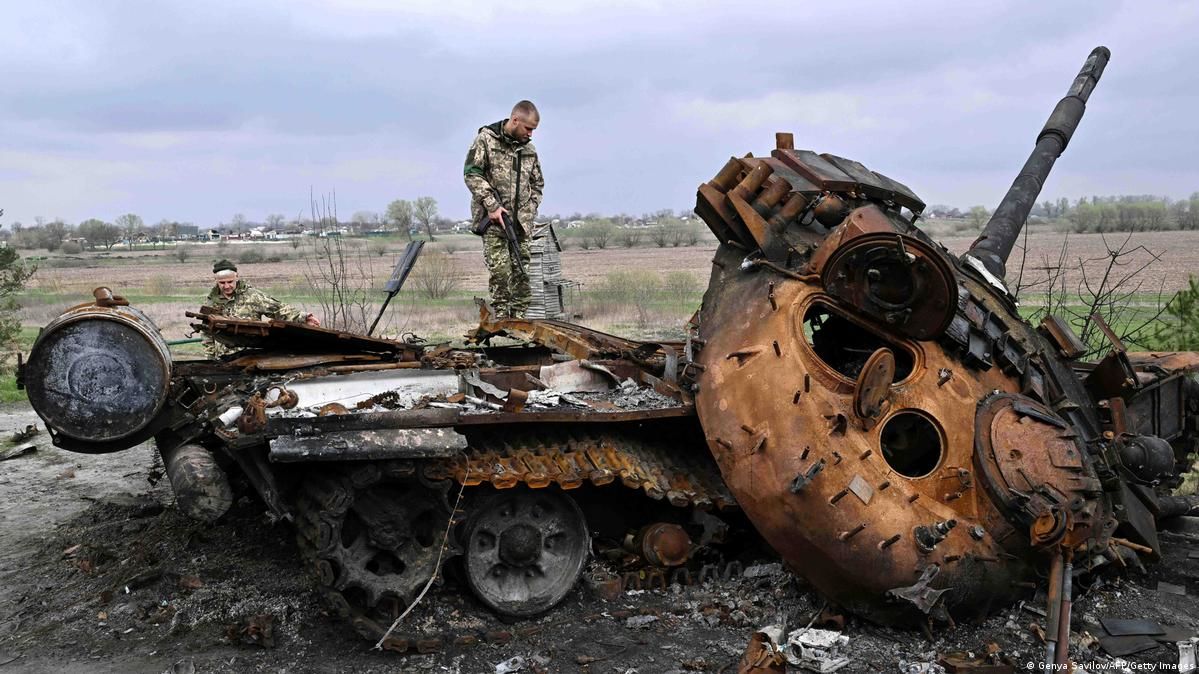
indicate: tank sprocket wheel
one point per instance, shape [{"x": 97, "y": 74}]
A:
[
  {"x": 524, "y": 549},
  {"x": 373, "y": 534}
]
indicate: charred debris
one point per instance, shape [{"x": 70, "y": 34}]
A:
[{"x": 863, "y": 398}]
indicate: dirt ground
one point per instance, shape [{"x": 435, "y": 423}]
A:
[{"x": 101, "y": 574}]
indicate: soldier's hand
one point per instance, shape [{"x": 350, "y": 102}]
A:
[
  {"x": 312, "y": 320},
  {"x": 497, "y": 216}
]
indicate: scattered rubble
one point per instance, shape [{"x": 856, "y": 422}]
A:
[
  {"x": 19, "y": 450},
  {"x": 510, "y": 666}
]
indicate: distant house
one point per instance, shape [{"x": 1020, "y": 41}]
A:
[
  {"x": 212, "y": 235},
  {"x": 263, "y": 234}
]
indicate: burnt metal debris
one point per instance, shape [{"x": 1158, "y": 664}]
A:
[{"x": 876, "y": 407}]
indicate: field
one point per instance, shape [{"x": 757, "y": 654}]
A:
[
  {"x": 165, "y": 287},
  {"x": 643, "y": 292}
]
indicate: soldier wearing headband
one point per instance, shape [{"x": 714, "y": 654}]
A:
[{"x": 237, "y": 299}]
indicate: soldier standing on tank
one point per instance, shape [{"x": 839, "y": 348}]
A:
[
  {"x": 503, "y": 175},
  {"x": 235, "y": 298}
]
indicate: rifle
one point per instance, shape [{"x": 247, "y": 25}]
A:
[
  {"x": 510, "y": 233},
  {"x": 511, "y": 228}
]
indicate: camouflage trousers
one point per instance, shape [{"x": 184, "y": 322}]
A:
[{"x": 509, "y": 283}]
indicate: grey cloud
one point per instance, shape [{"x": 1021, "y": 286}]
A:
[{"x": 199, "y": 110}]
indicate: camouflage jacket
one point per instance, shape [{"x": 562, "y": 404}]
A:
[
  {"x": 496, "y": 167},
  {"x": 246, "y": 302}
]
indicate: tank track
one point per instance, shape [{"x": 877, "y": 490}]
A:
[
  {"x": 536, "y": 459},
  {"x": 569, "y": 459}
]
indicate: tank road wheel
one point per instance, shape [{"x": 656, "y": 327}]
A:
[
  {"x": 374, "y": 534},
  {"x": 524, "y": 549}
]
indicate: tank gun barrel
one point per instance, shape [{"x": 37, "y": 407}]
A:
[{"x": 994, "y": 244}]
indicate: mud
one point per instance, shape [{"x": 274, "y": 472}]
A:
[{"x": 99, "y": 573}]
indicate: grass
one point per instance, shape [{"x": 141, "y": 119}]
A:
[
  {"x": 1136, "y": 312},
  {"x": 9, "y": 393}
]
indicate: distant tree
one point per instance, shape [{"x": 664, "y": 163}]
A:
[
  {"x": 364, "y": 220},
  {"x": 1155, "y": 215},
  {"x": 424, "y": 212},
  {"x": 99, "y": 233},
  {"x": 399, "y": 215},
  {"x": 182, "y": 252},
  {"x": 275, "y": 221},
  {"x": 130, "y": 225},
  {"x": 1084, "y": 217},
  {"x": 978, "y": 215},
  {"x": 598, "y": 234},
  {"x": 629, "y": 237},
  {"x": 28, "y": 237},
  {"x": 660, "y": 235},
  {"x": 51, "y": 235},
  {"x": 13, "y": 275},
  {"x": 437, "y": 275},
  {"x": 238, "y": 223},
  {"x": 166, "y": 230},
  {"x": 678, "y": 232},
  {"x": 1106, "y": 219},
  {"x": 1178, "y": 211}
]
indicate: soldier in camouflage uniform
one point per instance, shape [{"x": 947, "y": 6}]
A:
[
  {"x": 503, "y": 175},
  {"x": 237, "y": 299}
]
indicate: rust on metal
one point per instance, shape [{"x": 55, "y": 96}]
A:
[
  {"x": 571, "y": 460},
  {"x": 300, "y": 338},
  {"x": 869, "y": 401},
  {"x": 874, "y": 385},
  {"x": 663, "y": 544},
  {"x": 942, "y": 377}
]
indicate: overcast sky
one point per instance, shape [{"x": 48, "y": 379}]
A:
[{"x": 194, "y": 111}]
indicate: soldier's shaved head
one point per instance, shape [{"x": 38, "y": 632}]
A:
[
  {"x": 523, "y": 121},
  {"x": 527, "y": 110}
]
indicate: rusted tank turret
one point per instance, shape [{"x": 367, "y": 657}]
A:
[{"x": 883, "y": 414}]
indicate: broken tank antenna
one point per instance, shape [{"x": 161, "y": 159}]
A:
[
  {"x": 398, "y": 276},
  {"x": 992, "y": 247}
]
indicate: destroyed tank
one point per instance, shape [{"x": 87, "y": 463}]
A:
[{"x": 876, "y": 408}]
